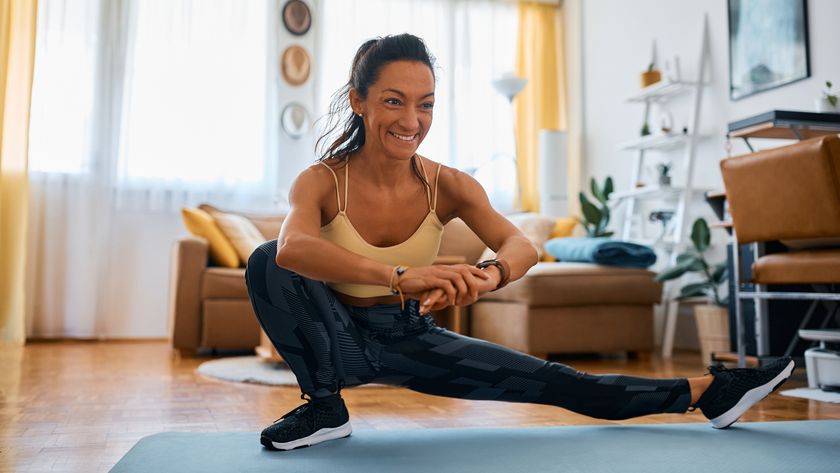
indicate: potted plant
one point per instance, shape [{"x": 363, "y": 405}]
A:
[
  {"x": 827, "y": 103},
  {"x": 651, "y": 76},
  {"x": 664, "y": 177},
  {"x": 596, "y": 217},
  {"x": 712, "y": 317}
]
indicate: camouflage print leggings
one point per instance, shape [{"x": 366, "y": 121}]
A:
[{"x": 328, "y": 345}]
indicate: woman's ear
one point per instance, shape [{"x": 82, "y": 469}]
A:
[{"x": 356, "y": 103}]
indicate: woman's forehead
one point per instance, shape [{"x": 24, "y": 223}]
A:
[{"x": 406, "y": 77}]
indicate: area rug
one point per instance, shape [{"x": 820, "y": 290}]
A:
[
  {"x": 807, "y": 446},
  {"x": 252, "y": 369},
  {"x": 814, "y": 394}
]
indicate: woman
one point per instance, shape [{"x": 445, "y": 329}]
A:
[{"x": 345, "y": 291}]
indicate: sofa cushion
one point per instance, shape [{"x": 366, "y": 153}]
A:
[
  {"x": 223, "y": 283},
  {"x": 201, "y": 223},
  {"x": 798, "y": 267},
  {"x": 243, "y": 235},
  {"x": 569, "y": 284}
]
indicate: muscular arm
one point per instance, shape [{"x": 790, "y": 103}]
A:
[
  {"x": 300, "y": 248},
  {"x": 494, "y": 230}
]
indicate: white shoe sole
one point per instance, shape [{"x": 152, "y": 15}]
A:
[
  {"x": 749, "y": 399},
  {"x": 321, "y": 435}
]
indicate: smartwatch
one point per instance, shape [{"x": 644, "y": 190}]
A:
[{"x": 504, "y": 270}]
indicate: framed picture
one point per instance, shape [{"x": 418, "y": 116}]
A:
[
  {"x": 296, "y": 17},
  {"x": 768, "y": 45}
]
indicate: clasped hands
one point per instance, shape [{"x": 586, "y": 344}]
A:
[{"x": 439, "y": 286}]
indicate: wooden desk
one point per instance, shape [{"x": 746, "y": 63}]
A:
[{"x": 785, "y": 124}]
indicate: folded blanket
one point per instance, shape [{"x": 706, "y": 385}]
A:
[{"x": 601, "y": 251}]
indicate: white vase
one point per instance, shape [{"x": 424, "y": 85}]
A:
[{"x": 824, "y": 106}]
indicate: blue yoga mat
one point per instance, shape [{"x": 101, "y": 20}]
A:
[{"x": 807, "y": 446}]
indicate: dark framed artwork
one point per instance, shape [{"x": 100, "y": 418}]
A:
[
  {"x": 296, "y": 17},
  {"x": 768, "y": 45}
]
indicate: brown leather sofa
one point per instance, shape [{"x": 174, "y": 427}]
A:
[{"x": 555, "y": 308}]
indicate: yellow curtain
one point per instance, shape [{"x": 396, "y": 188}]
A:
[
  {"x": 542, "y": 103},
  {"x": 17, "y": 59}
]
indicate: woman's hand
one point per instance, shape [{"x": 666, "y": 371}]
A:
[
  {"x": 454, "y": 284},
  {"x": 436, "y": 299}
]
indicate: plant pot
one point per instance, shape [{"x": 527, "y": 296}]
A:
[
  {"x": 650, "y": 77},
  {"x": 664, "y": 181},
  {"x": 824, "y": 106},
  {"x": 712, "y": 329}
]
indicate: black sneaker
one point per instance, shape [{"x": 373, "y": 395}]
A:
[
  {"x": 734, "y": 391},
  {"x": 314, "y": 422}
]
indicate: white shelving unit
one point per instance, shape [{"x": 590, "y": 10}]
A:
[{"x": 674, "y": 240}]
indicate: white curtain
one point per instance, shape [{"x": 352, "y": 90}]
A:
[
  {"x": 474, "y": 42},
  {"x": 138, "y": 108}
]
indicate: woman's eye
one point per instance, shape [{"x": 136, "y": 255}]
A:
[
  {"x": 429, "y": 105},
  {"x": 392, "y": 101}
]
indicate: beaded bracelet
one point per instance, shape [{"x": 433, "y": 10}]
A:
[{"x": 395, "y": 287}]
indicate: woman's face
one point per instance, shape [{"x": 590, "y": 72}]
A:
[{"x": 398, "y": 109}]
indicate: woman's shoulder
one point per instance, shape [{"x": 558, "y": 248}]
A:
[{"x": 455, "y": 187}]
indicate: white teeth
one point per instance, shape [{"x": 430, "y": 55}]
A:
[{"x": 403, "y": 137}]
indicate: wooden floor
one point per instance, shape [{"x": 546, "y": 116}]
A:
[{"x": 79, "y": 406}]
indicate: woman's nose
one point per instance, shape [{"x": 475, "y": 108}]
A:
[{"x": 409, "y": 119}]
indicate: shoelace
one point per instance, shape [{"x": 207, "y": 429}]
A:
[{"x": 307, "y": 408}]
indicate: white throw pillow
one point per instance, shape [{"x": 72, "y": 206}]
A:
[
  {"x": 535, "y": 227},
  {"x": 242, "y": 233}
]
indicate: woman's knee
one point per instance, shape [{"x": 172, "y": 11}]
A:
[{"x": 255, "y": 270}]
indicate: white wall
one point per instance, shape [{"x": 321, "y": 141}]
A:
[
  {"x": 616, "y": 47},
  {"x": 617, "y": 39}
]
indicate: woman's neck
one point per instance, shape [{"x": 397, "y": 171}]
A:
[{"x": 380, "y": 170}]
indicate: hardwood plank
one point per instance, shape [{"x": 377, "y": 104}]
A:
[{"x": 79, "y": 406}]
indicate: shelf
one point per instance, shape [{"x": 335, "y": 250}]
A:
[
  {"x": 667, "y": 243},
  {"x": 661, "y": 91},
  {"x": 658, "y": 141},
  {"x": 648, "y": 192}
]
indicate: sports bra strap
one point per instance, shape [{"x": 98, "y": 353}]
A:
[
  {"x": 426, "y": 176},
  {"x": 335, "y": 178},
  {"x": 437, "y": 179}
]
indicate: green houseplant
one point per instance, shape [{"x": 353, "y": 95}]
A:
[
  {"x": 596, "y": 217},
  {"x": 713, "y": 317},
  {"x": 827, "y": 102}
]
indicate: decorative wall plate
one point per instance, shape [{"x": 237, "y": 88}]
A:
[
  {"x": 295, "y": 65},
  {"x": 296, "y": 17},
  {"x": 295, "y": 120}
]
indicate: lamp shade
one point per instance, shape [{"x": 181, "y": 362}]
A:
[{"x": 509, "y": 85}]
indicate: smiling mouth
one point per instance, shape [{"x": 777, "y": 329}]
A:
[{"x": 406, "y": 138}]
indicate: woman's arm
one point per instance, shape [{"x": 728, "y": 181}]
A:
[
  {"x": 511, "y": 246},
  {"x": 301, "y": 249},
  {"x": 494, "y": 229}
]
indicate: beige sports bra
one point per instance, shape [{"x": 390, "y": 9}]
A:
[{"x": 420, "y": 249}]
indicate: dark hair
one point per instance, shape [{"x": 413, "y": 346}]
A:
[{"x": 369, "y": 60}]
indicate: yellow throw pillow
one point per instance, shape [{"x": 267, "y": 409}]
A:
[
  {"x": 201, "y": 224},
  {"x": 241, "y": 232},
  {"x": 563, "y": 227}
]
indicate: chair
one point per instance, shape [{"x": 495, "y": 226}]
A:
[{"x": 790, "y": 194}]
